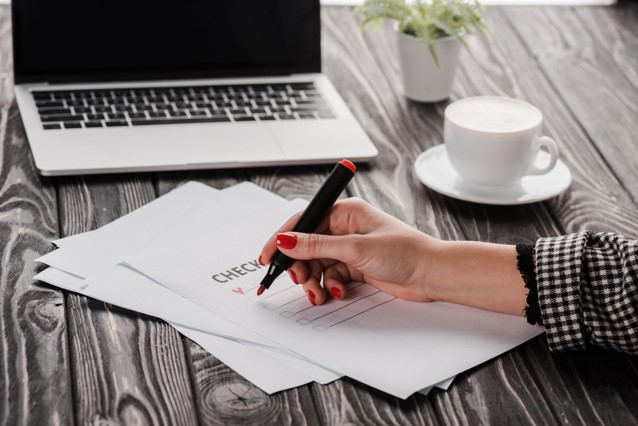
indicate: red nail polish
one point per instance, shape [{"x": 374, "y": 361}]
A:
[
  {"x": 336, "y": 293},
  {"x": 286, "y": 241},
  {"x": 261, "y": 262},
  {"x": 311, "y": 297},
  {"x": 293, "y": 276}
]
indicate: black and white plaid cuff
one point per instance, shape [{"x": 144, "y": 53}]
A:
[
  {"x": 588, "y": 291},
  {"x": 559, "y": 263}
]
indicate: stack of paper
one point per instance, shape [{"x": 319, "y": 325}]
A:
[{"x": 189, "y": 258}]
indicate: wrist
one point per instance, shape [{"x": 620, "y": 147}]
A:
[{"x": 476, "y": 274}]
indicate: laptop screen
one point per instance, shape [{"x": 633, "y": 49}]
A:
[{"x": 80, "y": 40}]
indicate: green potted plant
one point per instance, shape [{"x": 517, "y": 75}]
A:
[{"x": 430, "y": 35}]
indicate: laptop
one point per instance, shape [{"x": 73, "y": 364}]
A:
[{"x": 149, "y": 85}]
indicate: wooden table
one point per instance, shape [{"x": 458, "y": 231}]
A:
[{"x": 67, "y": 359}]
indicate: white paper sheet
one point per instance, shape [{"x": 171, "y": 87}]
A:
[
  {"x": 271, "y": 369},
  {"x": 397, "y": 346},
  {"x": 227, "y": 353},
  {"x": 88, "y": 253},
  {"x": 445, "y": 384}
]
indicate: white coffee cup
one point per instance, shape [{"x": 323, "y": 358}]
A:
[{"x": 495, "y": 141}]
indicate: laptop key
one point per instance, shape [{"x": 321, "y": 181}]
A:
[
  {"x": 177, "y": 113},
  {"x": 264, "y": 117},
  {"x": 45, "y": 103},
  {"x": 243, "y": 118},
  {"x": 312, "y": 101},
  {"x": 59, "y": 117},
  {"x": 51, "y": 126},
  {"x": 216, "y": 119},
  {"x": 115, "y": 123},
  {"x": 76, "y": 103},
  {"x": 41, "y": 96},
  {"x": 302, "y": 86},
  {"x": 286, "y": 116},
  {"x": 116, "y": 116},
  {"x": 73, "y": 125},
  {"x": 56, "y": 110},
  {"x": 93, "y": 124}
]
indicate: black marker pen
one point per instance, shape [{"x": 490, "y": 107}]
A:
[{"x": 312, "y": 216}]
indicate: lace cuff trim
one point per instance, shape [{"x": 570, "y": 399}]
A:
[{"x": 525, "y": 265}]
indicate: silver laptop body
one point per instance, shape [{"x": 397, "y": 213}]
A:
[{"x": 139, "y": 124}]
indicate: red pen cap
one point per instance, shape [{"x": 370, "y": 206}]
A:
[{"x": 349, "y": 164}]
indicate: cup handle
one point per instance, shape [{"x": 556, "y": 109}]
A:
[{"x": 552, "y": 148}]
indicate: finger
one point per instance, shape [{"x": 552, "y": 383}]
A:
[
  {"x": 298, "y": 272},
  {"x": 312, "y": 286},
  {"x": 334, "y": 279},
  {"x": 350, "y": 216},
  {"x": 270, "y": 247},
  {"x": 344, "y": 248}
]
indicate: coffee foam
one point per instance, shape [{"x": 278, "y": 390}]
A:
[{"x": 493, "y": 114}]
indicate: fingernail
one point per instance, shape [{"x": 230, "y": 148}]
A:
[
  {"x": 311, "y": 297},
  {"x": 261, "y": 262},
  {"x": 286, "y": 241},
  {"x": 293, "y": 276},
  {"x": 336, "y": 293}
]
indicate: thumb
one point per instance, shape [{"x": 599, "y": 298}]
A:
[{"x": 302, "y": 246}]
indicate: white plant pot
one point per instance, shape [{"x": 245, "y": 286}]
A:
[{"x": 423, "y": 80}]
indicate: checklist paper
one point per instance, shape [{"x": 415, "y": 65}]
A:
[
  {"x": 257, "y": 359},
  {"x": 189, "y": 258},
  {"x": 393, "y": 345}
]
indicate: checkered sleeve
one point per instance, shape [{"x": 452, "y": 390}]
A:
[{"x": 588, "y": 291}]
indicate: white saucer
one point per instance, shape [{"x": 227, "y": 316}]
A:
[{"x": 435, "y": 171}]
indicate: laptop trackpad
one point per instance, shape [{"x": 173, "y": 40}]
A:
[
  {"x": 238, "y": 142},
  {"x": 151, "y": 147}
]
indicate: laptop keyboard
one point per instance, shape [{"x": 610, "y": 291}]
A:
[{"x": 81, "y": 109}]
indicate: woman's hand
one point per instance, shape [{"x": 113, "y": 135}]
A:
[{"x": 356, "y": 242}]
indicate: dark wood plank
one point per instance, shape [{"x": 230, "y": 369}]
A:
[
  {"x": 596, "y": 200},
  {"x": 33, "y": 347},
  {"x": 33, "y": 344},
  {"x": 602, "y": 43},
  {"x": 128, "y": 368},
  {"x": 224, "y": 397},
  {"x": 590, "y": 56}
]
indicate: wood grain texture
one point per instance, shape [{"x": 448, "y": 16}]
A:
[
  {"x": 114, "y": 366},
  {"x": 590, "y": 57},
  {"x": 596, "y": 200},
  {"x": 225, "y": 398},
  {"x": 128, "y": 368},
  {"x": 35, "y": 383}
]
